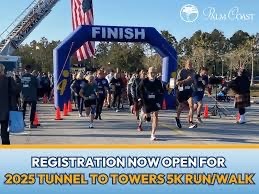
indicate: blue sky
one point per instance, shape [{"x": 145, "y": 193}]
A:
[{"x": 162, "y": 14}]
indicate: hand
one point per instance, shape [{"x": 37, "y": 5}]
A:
[
  {"x": 139, "y": 99},
  {"x": 189, "y": 77}
]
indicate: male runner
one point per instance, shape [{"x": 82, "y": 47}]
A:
[
  {"x": 184, "y": 85},
  {"x": 200, "y": 83},
  {"x": 151, "y": 93}
]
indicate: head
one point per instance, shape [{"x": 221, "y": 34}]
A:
[
  {"x": 2, "y": 69},
  {"x": 100, "y": 74},
  {"x": 90, "y": 79},
  {"x": 152, "y": 73},
  {"x": 80, "y": 76},
  {"x": 143, "y": 74},
  {"x": 204, "y": 71},
  {"x": 112, "y": 73},
  {"x": 117, "y": 75},
  {"x": 28, "y": 69},
  {"x": 188, "y": 64}
]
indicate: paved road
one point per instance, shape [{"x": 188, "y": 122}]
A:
[{"x": 120, "y": 128}]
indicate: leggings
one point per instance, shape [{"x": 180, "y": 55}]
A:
[
  {"x": 117, "y": 96},
  {"x": 242, "y": 111},
  {"x": 4, "y": 133},
  {"x": 80, "y": 104},
  {"x": 99, "y": 105}
]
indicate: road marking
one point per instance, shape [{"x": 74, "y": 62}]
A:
[{"x": 172, "y": 128}]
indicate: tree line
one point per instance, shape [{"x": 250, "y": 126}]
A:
[{"x": 221, "y": 55}]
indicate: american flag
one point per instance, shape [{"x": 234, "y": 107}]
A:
[{"x": 82, "y": 14}]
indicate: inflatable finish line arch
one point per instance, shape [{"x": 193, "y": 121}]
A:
[{"x": 83, "y": 34}]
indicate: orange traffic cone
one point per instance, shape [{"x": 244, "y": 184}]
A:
[
  {"x": 36, "y": 121},
  {"x": 238, "y": 118},
  {"x": 206, "y": 112},
  {"x": 65, "y": 110},
  {"x": 69, "y": 106},
  {"x": 164, "y": 105},
  {"x": 58, "y": 114}
]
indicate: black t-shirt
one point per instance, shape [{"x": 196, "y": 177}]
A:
[
  {"x": 116, "y": 85},
  {"x": 200, "y": 83},
  {"x": 151, "y": 91}
]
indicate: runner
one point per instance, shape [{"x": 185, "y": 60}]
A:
[
  {"x": 184, "y": 82},
  {"x": 200, "y": 83},
  {"x": 76, "y": 86},
  {"x": 151, "y": 93},
  {"x": 116, "y": 85},
  {"x": 140, "y": 75},
  {"x": 102, "y": 88},
  {"x": 88, "y": 93}
]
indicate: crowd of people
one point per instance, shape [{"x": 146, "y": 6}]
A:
[{"x": 91, "y": 91}]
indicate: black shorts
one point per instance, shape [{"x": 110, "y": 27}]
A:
[
  {"x": 150, "y": 107},
  {"x": 184, "y": 96},
  {"x": 89, "y": 103}
]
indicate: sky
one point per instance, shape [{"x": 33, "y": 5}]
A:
[{"x": 225, "y": 15}]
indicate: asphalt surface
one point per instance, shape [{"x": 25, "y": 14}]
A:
[{"x": 120, "y": 128}]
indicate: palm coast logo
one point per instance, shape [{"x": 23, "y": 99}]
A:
[{"x": 189, "y": 13}]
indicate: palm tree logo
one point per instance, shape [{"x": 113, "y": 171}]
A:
[{"x": 189, "y": 13}]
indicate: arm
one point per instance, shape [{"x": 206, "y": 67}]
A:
[{"x": 81, "y": 93}]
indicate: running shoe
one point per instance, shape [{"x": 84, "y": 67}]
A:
[
  {"x": 192, "y": 125},
  {"x": 80, "y": 115},
  {"x": 153, "y": 138},
  {"x": 199, "y": 120},
  {"x": 140, "y": 128},
  {"x": 178, "y": 123},
  {"x": 91, "y": 126},
  {"x": 117, "y": 110}
]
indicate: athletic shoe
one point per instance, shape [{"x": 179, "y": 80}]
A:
[
  {"x": 192, "y": 125},
  {"x": 100, "y": 118},
  {"x": 153, "y": 138},
  {"x": 178, "y": 123},
  {"x": 91, "y": 126},
  {"x": 117, "y": 110},
  {"x": 33, "y": 126},
  {"x": 199, "y": 120},
  {"x": 140, "y": 128},
  {"x": 80, "y": 115},
  {"x": 138, "y": 118},
  {"x": 96, "y": 117}
]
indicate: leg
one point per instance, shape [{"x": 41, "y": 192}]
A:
[
  {"x": 93, "y": 110},
  {"x": 33, "y": 111},
  {"x": 81, "y": 105},
  {"x": 101, "y": 106},
  {"x": 98, "y": 104},
  {"x": 4, "y": 133},
  {"x": 114, "y": 99},
  {"x": 119, "y": 101},
  {"x": 242, "y": 115},
  {"x": 190, "y": 103},
  {"x": 199, "y": 109},
  {"x": 24, "y": 106},
  {"x": 154, "y": 125}
]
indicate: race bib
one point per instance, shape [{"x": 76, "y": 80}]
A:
[
  {"x": 92, "y": 96},
  {"x": 151, "y": 96},
  {"x": 25, "y": 86},
  {"x": 200, "y": 79},
  {"x": 200, "y": 90},
  {"x": 118, "y": 84},
  {"x": 187, "y": 87},
  {"x": 180, "y": 88}
]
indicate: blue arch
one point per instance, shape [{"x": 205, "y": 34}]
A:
[{"x": 83, "y": 34}]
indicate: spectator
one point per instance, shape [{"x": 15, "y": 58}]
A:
[
  {"x": 29, "y": 93},
  {"x": 7, "y": 103}
]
